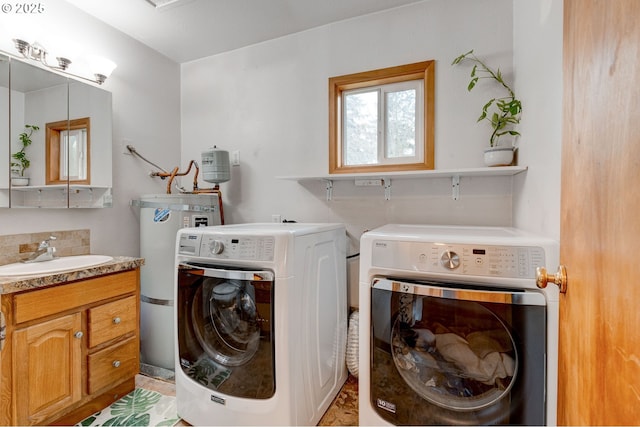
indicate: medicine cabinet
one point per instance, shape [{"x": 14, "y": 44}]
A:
[{"x": 70, "y": 151}]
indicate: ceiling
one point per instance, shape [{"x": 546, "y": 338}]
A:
[{"x": 186, "y": 30}]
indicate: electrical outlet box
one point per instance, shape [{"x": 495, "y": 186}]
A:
[
  {"x": 369, "y": 182},
  {"x": 235, "y": 158}
]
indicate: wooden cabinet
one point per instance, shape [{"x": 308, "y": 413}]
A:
[{"x": 70, "y": 349}]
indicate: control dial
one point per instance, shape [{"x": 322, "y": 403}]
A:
[
  {"x": 216, "y": 247},
  {"x": 450, "y": 260}
]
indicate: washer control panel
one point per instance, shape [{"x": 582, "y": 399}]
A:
[
  {"x": 243, "y": 248},
  {"x": 465, "y": 259}
]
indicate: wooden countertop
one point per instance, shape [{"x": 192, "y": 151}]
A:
[{"x": 24, "y": 283}]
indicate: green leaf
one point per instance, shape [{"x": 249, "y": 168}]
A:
[
  {"x": 472, "y": 83},
  {"x": 129, "y": 420},
  {"x": 139, "y": 400}
]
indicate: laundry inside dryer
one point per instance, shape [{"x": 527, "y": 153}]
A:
[{"x": 458, "y": 356}]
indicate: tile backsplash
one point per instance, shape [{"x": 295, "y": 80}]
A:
[{"x": 18, "y": 247}]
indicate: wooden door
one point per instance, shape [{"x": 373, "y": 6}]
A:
[
  {"x": 599, "y": 371},
  {"x": 47, "y": 368}
]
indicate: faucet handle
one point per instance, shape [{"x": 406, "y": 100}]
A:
[{"x": 45, "y": 243}]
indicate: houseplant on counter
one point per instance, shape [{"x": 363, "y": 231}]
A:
[
  {"x": 22, "y": 162},
  {"x": 503, "y": 113}
]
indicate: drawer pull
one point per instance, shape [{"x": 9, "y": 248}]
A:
[
  {"x": 116, "y": 320},
  {"x": 116, "y": 363},
  {"x": 78, "y": 334}
]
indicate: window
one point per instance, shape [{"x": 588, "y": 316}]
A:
[
  {"x": 68, "y": 152},
  {"x": 382, "y": 120}
]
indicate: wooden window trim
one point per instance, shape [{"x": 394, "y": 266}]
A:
[
  {"x": 53, "y": 138},
  {"x": 337, "y": 85}
]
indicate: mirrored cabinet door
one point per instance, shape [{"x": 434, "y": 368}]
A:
[
  {"x": 38, "y": 97},
  {"x": 4, "y": 131},
  {"x": 55, "y": 139},
  {"x": 88, "y": 148}
]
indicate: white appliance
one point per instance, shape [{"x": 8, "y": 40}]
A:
[
  {"x": 161, "y": 216},
  {"x": 453, "y": 330},
  {"x": 261, "y": 322}
]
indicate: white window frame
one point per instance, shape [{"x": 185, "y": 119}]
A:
[{"x": 383, "y": 120}]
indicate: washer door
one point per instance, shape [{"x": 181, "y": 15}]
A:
[
  {"x": 230, "y": 330},
  {"x": 225, "y": 329}
]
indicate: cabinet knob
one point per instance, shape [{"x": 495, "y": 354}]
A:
[
  {"x": 116, "y": 320},
  {"x": 78, "y": 334},
  {"x": 116, "y": 363}
]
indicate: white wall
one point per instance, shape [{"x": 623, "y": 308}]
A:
[
  {"x": 538, "y": 61},
  {"x": 270, "y": 102},
  {"x": 146, "y": 100}
]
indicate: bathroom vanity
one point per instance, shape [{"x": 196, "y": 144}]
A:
[{"x": 71, "y": 343}]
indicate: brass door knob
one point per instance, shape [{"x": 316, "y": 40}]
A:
[{"x": 560, "y": 278}]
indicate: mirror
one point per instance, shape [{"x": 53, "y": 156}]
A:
[
  {"x": 4, "y": 131},
  {"x": 62, "y": 127}
]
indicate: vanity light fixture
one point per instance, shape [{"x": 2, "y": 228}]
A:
[{"x": 100, "y": 67}]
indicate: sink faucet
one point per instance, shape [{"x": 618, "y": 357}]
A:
[{"x": 45, "y": 251}]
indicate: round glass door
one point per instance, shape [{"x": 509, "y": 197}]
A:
[
  {"x": 456, "y": 354},
  {"x": 226, "y": 321}
]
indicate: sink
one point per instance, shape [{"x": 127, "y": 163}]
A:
[{"x": 55, "y": 265}]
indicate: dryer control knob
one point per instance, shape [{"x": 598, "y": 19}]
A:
[
  {"x": 450, "y": 260},
  {"x": 216, "y": 247}
]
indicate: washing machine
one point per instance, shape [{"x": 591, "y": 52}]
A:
[
  {"x": 261, "y": 322},
  {"x": 454, "y": 330}
]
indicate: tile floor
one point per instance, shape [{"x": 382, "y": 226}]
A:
[{"x": 342, "y": 412}]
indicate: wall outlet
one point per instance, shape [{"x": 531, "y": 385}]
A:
[
  {"x": 276, "y": 218},
  {"x": 369, "y": 182},
  {"x": 235, "y": 158}
]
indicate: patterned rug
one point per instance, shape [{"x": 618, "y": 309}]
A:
[{"x": 141, "y": 407}]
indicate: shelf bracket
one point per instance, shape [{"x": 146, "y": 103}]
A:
[
  {"x": 329, "y": 187},
  {"x": 387, "y": 188},
  {"x": 455, "y": 187}
]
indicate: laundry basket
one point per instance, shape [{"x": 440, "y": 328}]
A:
[{"x": 352, "y": 343}]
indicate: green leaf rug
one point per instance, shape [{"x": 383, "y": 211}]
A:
[{"x": 141, "y": 407}]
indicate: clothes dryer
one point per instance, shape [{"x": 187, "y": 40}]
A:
[
  {"x": 453, "y": 329},
  {"x": 261, "y": 323}
]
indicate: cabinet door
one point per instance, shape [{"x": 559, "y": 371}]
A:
[{"x": 48, "y": 368}]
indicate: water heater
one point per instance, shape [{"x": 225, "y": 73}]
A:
[
  {"x": 215, "y": 165},
  {"x": 161, "y": 216}
]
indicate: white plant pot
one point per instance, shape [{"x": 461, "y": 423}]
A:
[
  {"x": 498, "y": 156},
  {"x": 20, "y": 181}
]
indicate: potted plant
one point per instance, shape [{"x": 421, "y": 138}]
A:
[
  {"x": 503, "y": 113},
  {"x": 21, "y": 161}
]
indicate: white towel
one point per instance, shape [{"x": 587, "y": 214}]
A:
[{"x": 486, "y": 369}]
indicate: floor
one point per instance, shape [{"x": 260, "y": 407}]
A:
[{"x": 342, "y": 412}]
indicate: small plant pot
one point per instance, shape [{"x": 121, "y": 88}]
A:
[
  {"x": 498, "y": 156},
  {"x": 20, "y": 181}
]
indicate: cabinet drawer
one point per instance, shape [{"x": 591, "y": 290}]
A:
[
  {"x": 113, "y": 364},
  {"x": 56, "y": 299},
  {"x": 108, "y": 321}
]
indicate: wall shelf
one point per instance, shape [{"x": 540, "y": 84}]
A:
[
  {"x": 384, "y": 179},
  {"x": 59, "y": 195}
]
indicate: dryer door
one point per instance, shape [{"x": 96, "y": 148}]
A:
[
  {"x": 225, "y": 329},
  {"x": 451, "y": 354}
]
